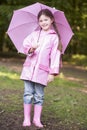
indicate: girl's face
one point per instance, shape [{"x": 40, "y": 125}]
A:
[{"x": 45, "y": 22}]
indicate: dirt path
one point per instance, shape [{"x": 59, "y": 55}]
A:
[
  {"x": 75, "y": 73},
  {"x": 71, "y": 72}
]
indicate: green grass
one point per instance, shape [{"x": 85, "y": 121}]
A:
[
  {"x": 11, "y": 90},
  {"x": 67, "y": 102},
  {"x": 64, "y": 99}
]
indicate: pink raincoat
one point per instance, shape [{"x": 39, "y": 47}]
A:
[{"x": 45, "y": 59}]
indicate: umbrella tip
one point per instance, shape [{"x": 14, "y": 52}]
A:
[
  {"x": 6, "y": 32},
  {"x": 54, "y": 8}
]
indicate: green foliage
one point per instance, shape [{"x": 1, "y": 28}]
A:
[
  {"x": 78, "y": 60},
  {"x": 5, "y": 16},
  {"x": 75, "y": 11}
]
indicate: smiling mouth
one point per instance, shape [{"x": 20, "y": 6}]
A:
[{"x": 44, "y": 25}]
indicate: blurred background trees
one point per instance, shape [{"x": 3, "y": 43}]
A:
[{"x": 75, "y": 11}]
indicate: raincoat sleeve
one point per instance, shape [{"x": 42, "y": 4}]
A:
[
  {"x": 55, "y": 59},
  {"x": 27, "y": 44}
]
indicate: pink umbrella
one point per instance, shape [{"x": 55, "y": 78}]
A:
[{"x": 24, "y": 21}]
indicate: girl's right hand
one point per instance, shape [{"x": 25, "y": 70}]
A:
[{"x": 31, "y": 50}]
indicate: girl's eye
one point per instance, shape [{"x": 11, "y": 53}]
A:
[
  {"x": 45, "y": 19},
  {"x": 40, "y": 21}
]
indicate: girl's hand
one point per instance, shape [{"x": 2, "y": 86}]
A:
[
  {"x": 31, "y": 50},
  {"x": 50, "y": 78}
]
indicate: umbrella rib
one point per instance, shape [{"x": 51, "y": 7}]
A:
[
  {"x": 63, "y": 25},
  {"x": 29, "y": 13},
  {"x": 20, "y": 25}
]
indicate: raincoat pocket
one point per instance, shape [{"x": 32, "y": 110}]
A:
[{"x": 43, "y": 67}]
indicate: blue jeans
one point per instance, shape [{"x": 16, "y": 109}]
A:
[{"x": 33, "y": 93}]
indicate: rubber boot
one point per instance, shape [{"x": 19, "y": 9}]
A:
[
  {"x": 27, "y": 111},
  {"x": 37, "y": 115}
]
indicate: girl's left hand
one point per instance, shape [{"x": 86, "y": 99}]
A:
[{"x": 50, "y": 78}]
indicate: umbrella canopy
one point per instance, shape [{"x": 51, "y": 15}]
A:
[{"x": 24, "y": 21}]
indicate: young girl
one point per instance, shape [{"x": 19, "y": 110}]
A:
[{"x": 41, "y": 65}]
